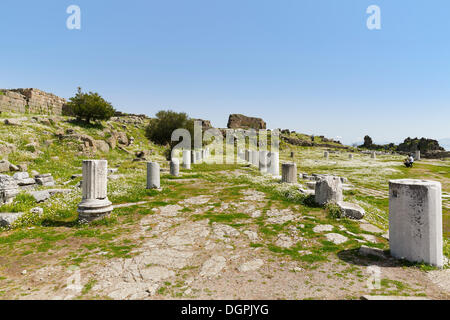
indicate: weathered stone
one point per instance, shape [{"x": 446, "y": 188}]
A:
[
  {"x": 45, "y": 180},
  {"x": 175, "y": 167},
  {"x": 263, "y": 161},
  {"x": 417, "y": 155},
  {"x": 187, "y": 159},
  {"x": 4, "y": 165},
  {"x": 328, "y": 190},
  {"x": 8, "y": 189},
  {"x": 373, "y": 155},
  {"x": 26, "y": 182},
  {"x": 322, "y": 228},
  {"x": 351, "y": 210},
  {"x": 101, "y": 145},
  {"x": 213, "y": 266},
  {"x": 415, "y": 221},
  {"x": 252, "y": 265},
  {"x": 153, "y": 175},
  {"x": 368, "y": 251},
  {"x": 7, "y": 219},
  {"x": 336, "y": 238},
  {"x": 236, "y": 121},
  {"x": 274, "y": 163},
  {"x": 94, "y": 203},
  {"x": 350, "y": 156},
  {"x": 289, "y": 172},
  {"x": 326, "y": 154},
  {"x": 37, "y": 210},
  {"x": 13, "y": 122},
  {"x": 21, "y": 175},
  {"x": 40, "y": 196}
]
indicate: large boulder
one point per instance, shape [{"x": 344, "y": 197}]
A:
[
  {"x": 328, "y": 190},
  {"x": 236, "y": 121},
  {"x": 8, "y": 189},
  {"x": 101, "y": 145}
]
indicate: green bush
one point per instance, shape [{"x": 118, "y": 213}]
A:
[
  {"x": 90, "y": 106},
  {"x": 160, "y": 129},
  {"x": 333, "y": 210}
]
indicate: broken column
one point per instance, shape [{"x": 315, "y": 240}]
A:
[
  {"x": 263, "y": 161},
  {"x": 255, "y": 158},
  {"x": 187, "y": 159},
  {"x": 373, "y": 155},
  {"x": 326, "y": 154},
  {"x": 8, "y": 189},
  {"x": 417, "y": 155},
  {"x": 328, "y": 190},
  {"x": 350, "y": 156},
  {"x": 415, "y": 221},
  {"x": 153, "y": 175},
  {"x": 94, "y": 203},
  {"x": 175, "y": 167},
  {"x": 289, "y": 172},
  {"x": 274, "y": 163}
]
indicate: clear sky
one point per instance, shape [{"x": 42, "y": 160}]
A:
[{"x": 307, "y": 65}]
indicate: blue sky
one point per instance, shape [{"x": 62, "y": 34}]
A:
[{"x": 311, "y": 66}]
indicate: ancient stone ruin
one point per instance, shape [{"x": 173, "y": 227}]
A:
[
  {"x": 95, "y": 203},
  {"x": 415, "y": 221},
  {"x": 31, "y": 101},
  {"x": 236, "y": 121}
]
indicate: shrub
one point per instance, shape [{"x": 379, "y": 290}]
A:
[
  {"x": 333, "y": 211},
  {"x": 160, "y": 129},
  {"x": 90, "y": 106}
]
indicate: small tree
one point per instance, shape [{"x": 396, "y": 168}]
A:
[
  {"x": 90, "y": 106},
  {"x": 160, "y": 129}
]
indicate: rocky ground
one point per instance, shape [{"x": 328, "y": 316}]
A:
[{"x": 216, "y": 232}]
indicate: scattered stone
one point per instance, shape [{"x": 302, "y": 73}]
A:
[
  {"x": 253, "y": 236},
  {"x": 284, "y": 241},
  {"x": 369, "y": 237},
  {"x": 40, "y": 196},
  {"x": 7, "y": 219},
  {"x": 252, "y": 265},
  {"x": 351, "y": 210},
  {"x": 222, "y": 230},
  {"x": 336, "y": 238},
  {"x": 12, "y": 122},
  {"x": 323, "y": 228},
  {"x": 370, "y": 228},
  {"x": 45, "y": 180},
  {"x": 213, "y": 266}
]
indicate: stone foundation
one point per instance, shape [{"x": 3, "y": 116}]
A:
[{"x": 32, "y": 101}]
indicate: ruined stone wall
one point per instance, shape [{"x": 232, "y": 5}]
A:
[{"x": 31, "y": 101}]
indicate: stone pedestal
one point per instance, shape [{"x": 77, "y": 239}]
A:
[
  {"x": 417, "y": 155},
  {"x": 153, "y": 175},
  {"x": 289, "y": 172},
  {"x": 326, "y": 155},
  {"x": 415, "y": 221},
  {"x": 187, "y": 159},
  {"x": 175, "y": 167},
  {"x": 328, "y": 190},
  {"x": 274, "y": 163},
  {"x": 263, "y": 161},
  {"x": 94, "y": 203}
]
